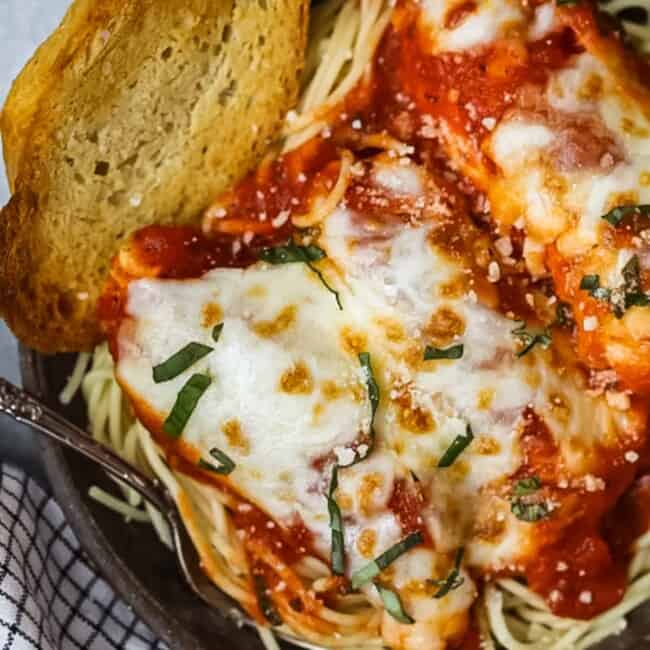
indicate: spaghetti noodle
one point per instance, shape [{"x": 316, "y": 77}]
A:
[{"x": 344, "y": 38}]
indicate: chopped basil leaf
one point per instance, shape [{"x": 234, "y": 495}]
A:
[
  {"x": 633, "y": 295},
  {"x": 336, "y": 526},
  {"x": 264, "y": 601},
  {"x": 629, "y": 294},
  {"x": 531, "y": 339},
  {"x": 186, "y": 402},
  {"x": 615, "y": 216},
  {"x": 637, "y": 300},
  {"x": 527, "y": 486},
  {"x": 456, "y": 448},
  {"x": 393, "y": 605},
  {"x": 563, "y": 314},
  {"x": 591, "y": 284},
  {"x": 631, "y": 273},
  {"x": 453, "y": 580},
  {"x": 226, "y": 464},
  {"x": 292, "y": 253},
  {"x": 216, "y": 332},
  {"x": 373, "y": 569},
  {"x": 452, "y": 352},
  {"x": 566, "y": 2},
  {"x": 180, "y": 362},
  {"x": 529, "y": 512}
]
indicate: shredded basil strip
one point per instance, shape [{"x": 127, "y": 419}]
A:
[
  {"x": 530, "y": 512},
  {"x": 334, "y": 292},
  {"x": 226, "y": 464},
  {"x": 336, "y": 526},
  {"x": 566, "y": 2},
  {"x": 264, "y": 601},
  {"x": 180, "y": 362},
  {"x": 373, "y": 569},
  {"x": 186, "y": 402},
  {"x": 527, "y": 486},
  {"x": 373, "y": 395},
  {"x": 531, "y": 339},
  {"x": 216, "y": 332},
  {"x": 456, "y": 448},
  {"x": 452, "y": 352},
  {"x": 292, "y": 253},
  {"x": 453, "y": 580},
  {"x": 371, "y": 382},
  {"x": 615, "y": 216},
  {"x": 393, "y": 605}
]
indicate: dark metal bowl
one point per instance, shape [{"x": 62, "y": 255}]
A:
[{"x": 134, "y": 561}]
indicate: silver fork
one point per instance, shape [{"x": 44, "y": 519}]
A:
[{"x": 22, "y": 407}]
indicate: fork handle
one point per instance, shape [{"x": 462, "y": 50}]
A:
[{"x": 23, "y": 407}]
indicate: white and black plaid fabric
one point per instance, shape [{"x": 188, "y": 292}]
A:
[{"x": 50, "y": 596}]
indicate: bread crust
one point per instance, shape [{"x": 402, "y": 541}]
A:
[{"x": 133, "y": 112}]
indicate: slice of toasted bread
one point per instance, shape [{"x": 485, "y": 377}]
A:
[{"x": 133, "y": 112}]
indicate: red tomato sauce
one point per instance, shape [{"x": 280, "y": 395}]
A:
[
  {"x": 581, "y": 564},
  {"x": 461, "y": 89},
  {"x": 471, "y": 641},
  {"x": 290, "y": 543},
  {"x": 407, "y": 502}
]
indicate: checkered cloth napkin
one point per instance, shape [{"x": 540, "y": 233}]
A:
[{"x": 51, "y": 598}]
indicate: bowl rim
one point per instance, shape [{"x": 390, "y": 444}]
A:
[{"x": 91, "y": 537}]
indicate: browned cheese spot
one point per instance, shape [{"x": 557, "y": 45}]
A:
[
  {"x": 212, "y": 314},
  {"x": 316, "y": 412},
  {"x": 297, "y": 380},
  {"x": 485, "y": 398},
  {"x": 392, "y": 329},
  {"x": 366, "y": 543},
  {"x": 455, "y": 288},
  {"x": 257, "y": 291},
  {"x": 370, "y": 483},
  {"x": 486, "y": 446},
  {"x": 633, "y": 129},
  {"x": 487, "y": 526},
  {"x": 353, "y": 342},
  {"x": 331, "y": 390},
  {"x": 592, "y": 88},
  {"x": 281, "y": 323},
  {"x": 413, "y": 417},
  {"x": 235, "y": 436},
  {"x": 344, "y": 501},
  {"x": 444, "y": 326}
]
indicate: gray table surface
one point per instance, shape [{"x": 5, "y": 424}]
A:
[{"x": 23, "y": 25}]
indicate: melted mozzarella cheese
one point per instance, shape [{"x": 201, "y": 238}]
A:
[
  {"x": 437, "y": 619},
  {"x": 396, "y": 276},
  {"x": 549, "y": 172},
  {"x": 283, "y": 391},
  {"x": 488, "y": 21},
  {"x": 287, "y": 390},
  {"x": 544, "y": 23}
]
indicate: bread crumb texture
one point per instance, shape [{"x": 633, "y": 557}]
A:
[{"x": 133, "y": 112}]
